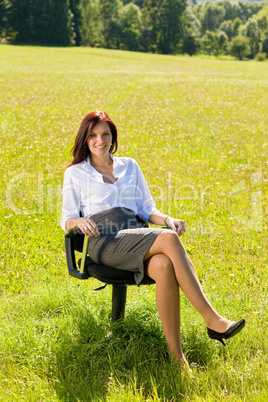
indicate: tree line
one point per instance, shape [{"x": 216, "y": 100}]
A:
[{"x": 157, "y": 26}]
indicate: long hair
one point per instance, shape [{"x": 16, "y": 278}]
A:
[{"x": 80, "y": 150}]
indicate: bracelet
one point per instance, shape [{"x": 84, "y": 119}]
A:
[{"x": 165, "y": 221}]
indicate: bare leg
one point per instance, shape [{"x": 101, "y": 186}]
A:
[
  {"x": 160, "y": 268},
  {"x": 169, "y": 244}
]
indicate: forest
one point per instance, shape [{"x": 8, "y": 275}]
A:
[{"x": 223, "y": 27}]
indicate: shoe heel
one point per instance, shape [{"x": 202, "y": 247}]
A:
[{"x": 234, "y": 329}]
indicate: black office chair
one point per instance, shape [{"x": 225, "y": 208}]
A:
[{"x": 75, "y": 240}]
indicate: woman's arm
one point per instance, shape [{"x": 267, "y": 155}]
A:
[
  {"x": 147, "y": 209},
  {"x": 71, "y": 207},
  {"x": 157, "y": 218},
  {"x": 70, "y": 200},
  {"x": 178, "y": 225},
  {"x": 87, "y": 226},
  {"x": 144, "y": 201}
]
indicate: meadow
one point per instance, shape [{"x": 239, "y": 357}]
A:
[{"x": 198, "y": 129}]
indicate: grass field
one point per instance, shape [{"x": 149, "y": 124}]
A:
[{"x": 198, "y": 129}]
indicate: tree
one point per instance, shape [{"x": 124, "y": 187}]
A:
[
  {"x": 138, "y": 3},
  {"x": 163, "y": 25},
  {"x": 211, "y": 17},
  {"x": 214, "y": 42},
  {"x": 251, "y": 31},
  {"x": 76, "y": 9},
  {"x": 149, "y": 26},
  {"x": 262, "y": 20},
  {"x": 91, "y": 27},
  {"x": 130, "y": 21},
  {"x": 191, "y": 31},
  {"x": 193, "y": 24},
  {"x": 262, "y": 23},
  {"x": 222, "y": 40},
  {"x": 232, "y": 9},
  {"x": 109, "y": 11},
  {"x": 236, "y": 24},
  {"x": 265, "y": 45},
  {"x": 171, "y": 12},
  {"x": 263, "y": 13},
  {"x": 239, "y": 47},
  {"x": 249, "y": 8},
  {"x": 60, "y": 31},
  {"x": 190, "y": 45},
  {"x": 42, "y": 21},
  {"x": 2, "y": 16},
  {"x": 227, "y": 27}
]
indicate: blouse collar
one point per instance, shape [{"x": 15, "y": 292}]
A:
[{"x": 119, "y": 168}]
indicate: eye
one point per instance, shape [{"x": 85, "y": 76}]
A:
[
  {"x": 106, "y": 133},
  {"x": 92, "y": 135}
]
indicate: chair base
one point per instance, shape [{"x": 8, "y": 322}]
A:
[{"x": 119, "y": 297}]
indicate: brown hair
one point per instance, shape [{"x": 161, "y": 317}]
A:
[{"x": 80, "y": 150}]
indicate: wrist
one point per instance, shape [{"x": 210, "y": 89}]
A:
[{"x": 165, "y": 220}]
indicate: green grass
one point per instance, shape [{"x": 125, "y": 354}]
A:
[{"x": 198, "y": 128}]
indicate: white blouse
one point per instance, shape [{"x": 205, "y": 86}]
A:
[{"x": 85, "y": 191}]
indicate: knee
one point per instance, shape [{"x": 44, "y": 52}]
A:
[
  {"x": 161, "y": 267},
  {"x": 169, "y": 236},
  {"x": 163, "y": 262}
]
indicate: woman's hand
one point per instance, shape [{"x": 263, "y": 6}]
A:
[
  {"x": 177, "y": 225},
  {"x": 88, "y": 227}
]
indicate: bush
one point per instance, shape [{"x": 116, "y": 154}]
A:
[
  {"x": 260, "y": 56},
  {"x": 239, "y": 47},
  {"x": 214, "y": 42}
]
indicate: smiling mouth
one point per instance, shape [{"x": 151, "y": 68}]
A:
[{"x": 101, "y": 147}]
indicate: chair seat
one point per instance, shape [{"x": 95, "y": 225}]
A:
[
  {"x": 119, "y": 279},
  {"x": 113, "y": 275}
]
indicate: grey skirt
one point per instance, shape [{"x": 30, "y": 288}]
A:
[{"x": 123, "y": 241}]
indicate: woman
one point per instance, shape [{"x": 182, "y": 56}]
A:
[{"x": 110, "y": 192}]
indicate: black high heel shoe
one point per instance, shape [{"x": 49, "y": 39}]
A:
[{"x": 231, "y": 331}]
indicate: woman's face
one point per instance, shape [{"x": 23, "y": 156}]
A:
[{"x": 100, "y": 138}]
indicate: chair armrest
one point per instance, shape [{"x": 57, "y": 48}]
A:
[
  {"x": 73, "y": 232},
  {"x": 70, "y": 256}
]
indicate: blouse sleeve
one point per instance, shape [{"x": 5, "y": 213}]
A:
[
  {"x": 70, "y": 199},
  {"x": 144, "y": 201}
]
